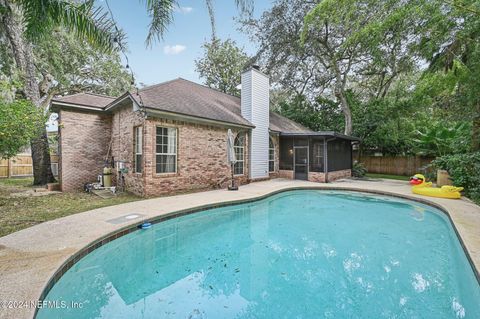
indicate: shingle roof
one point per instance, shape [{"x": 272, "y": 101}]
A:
[
  {"x": 188, "y": 98},
  {"x": 282, "y": 124},
  {"x": 86, "y": 99}
]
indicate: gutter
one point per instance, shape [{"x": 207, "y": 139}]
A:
[{"x": 193, "y": 118}]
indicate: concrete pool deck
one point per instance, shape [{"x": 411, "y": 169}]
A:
[{"x": 30, "y": 257}]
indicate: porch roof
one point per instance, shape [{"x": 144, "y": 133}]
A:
[{"x": 322, "y": 134}]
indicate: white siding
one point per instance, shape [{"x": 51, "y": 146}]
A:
[{"x": 255, "y": 97}]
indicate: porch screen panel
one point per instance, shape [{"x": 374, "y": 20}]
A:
[
  {"x": 166, "y": 150},
  {"x": 286, "y": 153},
  {"x": 339, "y": 155},
  {"x": 316, "y": 155}
]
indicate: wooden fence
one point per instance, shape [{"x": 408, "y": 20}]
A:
[
  {"x": 395, "y": 165},
  {"x": 21, "y": 166}
]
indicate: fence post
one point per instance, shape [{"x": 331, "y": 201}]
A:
[{"x": 9, "y": 168}]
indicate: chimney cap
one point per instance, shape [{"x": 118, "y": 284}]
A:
[{"x": 254, "y": 67}]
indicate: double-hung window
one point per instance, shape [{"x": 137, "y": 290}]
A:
[
  {"x": 138, "y": 145},
  {"x": 166, "y": 150}
]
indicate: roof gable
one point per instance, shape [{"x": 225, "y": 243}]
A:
[
  {"x": 182, "y": 97},
  {"x": 85, "y": 99}
]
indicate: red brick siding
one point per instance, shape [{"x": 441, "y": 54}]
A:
[
  {"x": 124, "y": 121},
  {"x": 83, "y": 140},
  {"x": 332, "y": 176},
  {"x": 201, "y": 158},
  {"x": 316, "y": 177}
]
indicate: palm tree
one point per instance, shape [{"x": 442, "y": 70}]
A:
[{"x": 24, "y": 21}]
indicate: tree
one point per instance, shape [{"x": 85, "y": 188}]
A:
[
  {"x": 221, "y": 65},
  {"x": 450, "y": 43},
  {"x": 328, "y": 48},
  {"x": 19, "y": 122},
  {"x": 72, "y": 66},
  {"x": 320, "y": 115},
  {"x": 25, "y": 21}
]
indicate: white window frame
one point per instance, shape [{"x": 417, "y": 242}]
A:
[
  {"x": 168, "y": 153},
  {"x": 239, "y": 149},
  {"x": 138, "y": 149},
  {"x": 271, "y": 155}
]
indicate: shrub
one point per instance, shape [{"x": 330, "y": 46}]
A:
[
  {"x": 19, "y": 122},
  {"x": 358, "y": 170},
  {"x": 464, "y": 169}
]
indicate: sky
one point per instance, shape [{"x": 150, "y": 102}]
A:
[{"x": 174, "y": 56}]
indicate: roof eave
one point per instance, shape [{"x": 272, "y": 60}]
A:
[
  {"x": 115, "y": 103},
  {"x": 324, "y": 133},
  {"x": 56, "y": 105},
  {"x": 182, "y": 116}
]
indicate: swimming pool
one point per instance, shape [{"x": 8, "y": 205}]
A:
[{"x": 297, "y": 254}]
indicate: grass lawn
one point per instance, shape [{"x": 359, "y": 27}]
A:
[
  {"x": 17, "y": 213},
  {"x": 387, "y": 176}
]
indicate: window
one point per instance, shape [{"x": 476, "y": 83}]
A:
[
  {"x": 138, "y": 146},
  {"x": 239, "y": 147},
  {"x": 166, "y": 150},
  {"x": 271, "y": 156}
]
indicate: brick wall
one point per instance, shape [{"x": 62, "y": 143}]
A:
[
  {"x": 285, "y": 174},
  {"x": 124, "y": 120},
  {"x": 332, "y": 176},
  {"x": 201, "y": 159},
  {"x": 83, "y": 143},
  {"x": 318, "y": 176}
]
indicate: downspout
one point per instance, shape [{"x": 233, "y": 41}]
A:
[{"x": 325, "y": 158}]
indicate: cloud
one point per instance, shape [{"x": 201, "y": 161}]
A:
[
  {"x": 173, "y": 49},
  {"x": 184, "y": 10}
]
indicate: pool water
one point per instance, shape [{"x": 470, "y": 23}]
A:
[{"x": 298, "y": 254}]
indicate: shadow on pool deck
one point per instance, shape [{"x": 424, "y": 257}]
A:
[{"x": 30, "y": 257}]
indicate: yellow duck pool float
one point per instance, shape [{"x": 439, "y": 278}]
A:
[{"x": 420, "y": 187}]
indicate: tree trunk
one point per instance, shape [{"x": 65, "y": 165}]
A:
[
  {"x": 23, "y": 54},
  {"x": 476, "y": 130},
  {"x": 347, "y": 113}
]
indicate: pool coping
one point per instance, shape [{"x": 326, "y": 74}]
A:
[
  {"x": 133, "y": 225},
  {"x": 175, "y": 214}
]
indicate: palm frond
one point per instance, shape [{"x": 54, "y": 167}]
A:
[
  {"x": 161, "y": 14},
  {"x": 86, "y": 21},
  {"x": 211, "y": 13},
  {"x": 245, "y": 6}
]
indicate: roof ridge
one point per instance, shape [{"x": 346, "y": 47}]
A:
[
  {"x": 157, "y": 85},
  {"x": 87, "y": 93},
  {"x": 189, "y": 81},
  {"x": 207, "y": 87},
  {"x": 99, "y": 95}
]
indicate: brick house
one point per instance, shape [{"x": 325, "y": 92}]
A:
[{"x": 172, "y": 137}]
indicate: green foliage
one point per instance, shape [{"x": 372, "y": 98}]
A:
[
  {"x": 358, "y": 169},
  {"x": 321, "y": 115},
  {"x": 440, "y": 138},
  {"x": 222, "y": 65},
  {"x": 76, "y": 66},
  {"x": 82, "y": 18},
  {"x": 19, "y": 122},
  {"x": 464, "y": 169}
]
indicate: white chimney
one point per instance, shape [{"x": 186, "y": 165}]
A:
[{"x": 255, "y": 98}]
